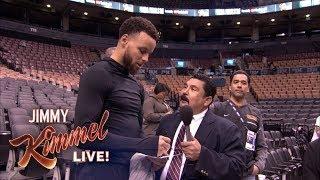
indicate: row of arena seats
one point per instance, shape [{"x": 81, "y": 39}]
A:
[
  {"x": 40, "y": 56},
  {"x": 17, "y": 124},
  {"x": 32, "y": 94},
  {"x": 64, "y": 80},
  {"x": 285, "y": 61},
  {"x": 176, "y": 83},
  {"x": 284, "y": 158},
  {"x": 266, "y": 87},
  {"x": 275, "y": 140},
  {"x": 288, "y": 64},
  {"x": 190, "y": 63},
  {"x": 298, "y": 111},
  {"x": 202, "y": 63},
  {"x": 5, "y": 72},
  {"x": 18, "y": 99},
  {"x": 286, "y": 86},
  {"x": 309, "y": 55},
  {"x": 30, "y": 56},
  {"x": 158, "y": 63}
]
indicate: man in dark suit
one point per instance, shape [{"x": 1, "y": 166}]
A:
[
  {"x": 311, "y": 161},
  {"x": 110, "y": 85},
  {"x": 215, "y": 152}
]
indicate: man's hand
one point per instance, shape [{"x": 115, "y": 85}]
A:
[
  {"x": 158, "y": 163},
  {"x": 191, "y": 149},
  {"x": 163, "y": 146},
  {"x": 254, "y": 169}
]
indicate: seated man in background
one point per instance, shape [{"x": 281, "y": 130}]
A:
[{"x": 155, "y": 108}]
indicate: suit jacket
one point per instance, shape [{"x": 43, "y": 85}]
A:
[
  {"x": 222, "y": 152},
  {"x": 311, "y": 161}
]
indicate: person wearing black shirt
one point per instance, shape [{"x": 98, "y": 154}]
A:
[
  {"x": 311, "y": 161},
  {"x": 109, "y": 85},
  {"x": 248, "y": 119}
]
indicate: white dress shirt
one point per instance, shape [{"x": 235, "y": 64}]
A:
[
  {"x": 194, "y": 125},
  {"x": 314, "y": 137}
]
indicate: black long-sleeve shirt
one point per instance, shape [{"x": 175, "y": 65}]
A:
[
  {"x": 253, "y": 119},
  {"x": 107, "y": 85}
]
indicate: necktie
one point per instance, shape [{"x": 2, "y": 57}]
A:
[{"x": 175, "y": 165}]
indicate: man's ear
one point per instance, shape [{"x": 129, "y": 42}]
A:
[
  {"x": 208, "y": 101},
  {"x": 124, "y": 40}
]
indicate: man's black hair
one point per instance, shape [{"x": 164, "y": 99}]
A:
[
  {"x": 137, "y": 25},
  {"x": 239, "y": 72},
  {"x": 209, "y": 87},
  {"x": 160, "y": 87}
]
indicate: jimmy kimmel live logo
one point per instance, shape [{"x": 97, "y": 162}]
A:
[{"x": 53, "y": 142}]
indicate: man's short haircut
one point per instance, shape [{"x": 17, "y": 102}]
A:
[
  {"x": 239, "y": 72},
  {"x": 209, "y": 87},
  {"x": 137, "y": 25},
  {"x": 160, "y": 87}
]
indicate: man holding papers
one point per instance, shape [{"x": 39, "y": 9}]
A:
[{"x": 215, "y": 150}]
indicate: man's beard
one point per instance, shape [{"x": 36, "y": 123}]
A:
[
  {"x": 127, "y": 63},
  {"x": 238, "y": 95}
]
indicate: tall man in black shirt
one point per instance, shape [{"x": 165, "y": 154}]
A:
[
  {"x": 248, "y": 119},
  {"x": 109, "y": 85}
]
